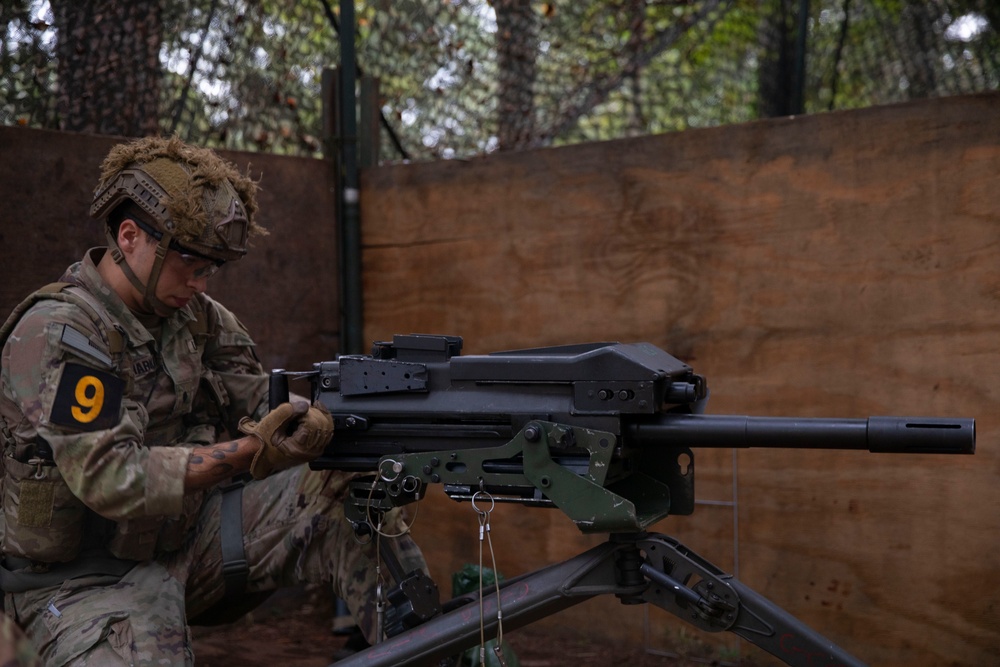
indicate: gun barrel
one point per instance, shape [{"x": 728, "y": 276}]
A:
[{"x": 910, "y": 435}]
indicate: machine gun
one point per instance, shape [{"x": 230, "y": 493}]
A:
[{"x": 605, "y": 432}]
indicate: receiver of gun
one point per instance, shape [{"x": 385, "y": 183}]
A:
[{"x": 582, "y": 427}]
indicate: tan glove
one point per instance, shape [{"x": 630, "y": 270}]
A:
[{"x": 290, "y": 434}]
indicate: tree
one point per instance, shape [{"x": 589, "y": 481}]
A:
[
  {"x": 517, "y": 50},
  {"x": 777, "y": 75},
  {"x": 109, "y": 65}
]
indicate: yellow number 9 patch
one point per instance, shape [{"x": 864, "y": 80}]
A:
[{"x": 87, "y": 399}]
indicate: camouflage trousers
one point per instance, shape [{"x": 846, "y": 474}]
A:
[{"x": 294, "y": 532}]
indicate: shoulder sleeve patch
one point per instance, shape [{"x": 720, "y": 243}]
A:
[
  {"x": 87, "y": 399},
  {"x": 81, "y": 344}
]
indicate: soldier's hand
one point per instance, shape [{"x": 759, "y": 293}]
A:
[{"x": 290, "y": 434}]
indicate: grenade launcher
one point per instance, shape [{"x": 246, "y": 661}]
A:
[{"x": 605, "y": 432}]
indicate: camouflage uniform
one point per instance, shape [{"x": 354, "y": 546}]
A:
[{"x": 121, "y": 426}]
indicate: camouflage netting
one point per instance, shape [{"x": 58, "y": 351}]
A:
[{"x": 459, "y": 78}]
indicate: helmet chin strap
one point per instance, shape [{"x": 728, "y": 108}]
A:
[{"x": 148, "y": 290}]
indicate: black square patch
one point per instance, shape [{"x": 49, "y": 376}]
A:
[{"x": 87, "y": 399}]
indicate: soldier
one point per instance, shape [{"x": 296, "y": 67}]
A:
[{"x": 129, "y": 399}]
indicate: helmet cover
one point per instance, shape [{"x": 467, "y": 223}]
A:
[{"x": 189, "y": 192}]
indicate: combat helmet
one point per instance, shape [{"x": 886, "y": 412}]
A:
[{"x": 187, "y": 197}]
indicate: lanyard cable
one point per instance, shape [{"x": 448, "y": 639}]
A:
[{"x": 484, "y": 535}]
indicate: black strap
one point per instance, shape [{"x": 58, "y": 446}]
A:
[
  {"x": 16, "y": 577},
  {"x": 235, "y": 601},
  {"x": 235, "y": 569}
]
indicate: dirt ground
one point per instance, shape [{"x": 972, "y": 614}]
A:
[{"x": 301, "y": 636}]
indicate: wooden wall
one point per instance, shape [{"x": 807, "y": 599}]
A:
[
  {"x": 832, "y": 265},
  {"x": 840, "y": 264}
]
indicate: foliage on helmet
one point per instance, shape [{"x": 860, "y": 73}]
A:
[{"x": 188, "y": 191}]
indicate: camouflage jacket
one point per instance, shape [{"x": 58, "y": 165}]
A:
[{"x": 120, "y": 424}]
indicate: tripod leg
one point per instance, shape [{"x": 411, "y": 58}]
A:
[
  {"x": 693, "y": 589},
  {"x": 636, "y": 568},
  {"x": 523, "y": 600}
]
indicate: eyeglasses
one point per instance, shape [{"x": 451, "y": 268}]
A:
[{"x": 198, "y": 266}]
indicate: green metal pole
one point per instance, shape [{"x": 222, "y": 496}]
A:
[{"x": 352, "y": 302}]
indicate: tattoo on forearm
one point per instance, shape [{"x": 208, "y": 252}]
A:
[
  {"x": 218, "y": 455},
  {"x": 212, "y": 464},
  {"x": 214, "y": 461},
  {"x": 226, "y": 468}
]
